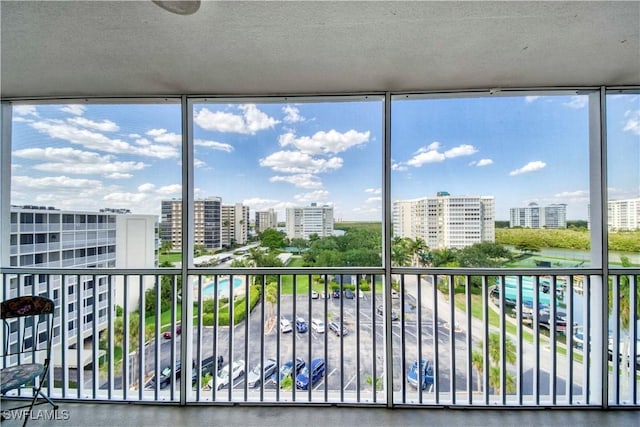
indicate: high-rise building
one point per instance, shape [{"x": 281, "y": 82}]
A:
[
  {"x": 266, "y": 219},
  {"x": 235, "y": 224},
  {"x": 446, "y": 221},
  {"x": 305, "y": 221},
  {"x": 534, "y": 216},
  {"x": 52, "y": 238},
  {"x": 624, "y": 214},
  {"x": 206, "y": 222}
]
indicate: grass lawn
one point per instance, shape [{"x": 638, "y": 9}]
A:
[{"x": 170, "y": 257}]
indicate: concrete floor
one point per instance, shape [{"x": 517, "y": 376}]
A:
[{"x": 120, "y": 414}]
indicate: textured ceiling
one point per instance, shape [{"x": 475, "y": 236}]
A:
[{"x": 235, "y": 48}]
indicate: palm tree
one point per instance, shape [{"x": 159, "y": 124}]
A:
[
  {"x": 400, "y": 255},
  {"x": 477, "y": 360},
  {"x": 416, "y": 248}
]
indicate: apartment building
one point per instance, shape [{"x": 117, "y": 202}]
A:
[
  {"x": 50, "y": 238},
  {"x": 266, "y": 219},
  {"x": 235, "y": 224},
  {"x": 302, "y": 222},
  {"x": 446, "y": 221},
  {"x": 206, "y": 222},
  {"x": 534, "y": 216},
  {"x": 624, "y": 214}
]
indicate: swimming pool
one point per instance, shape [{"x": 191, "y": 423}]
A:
[{"x": 223, "y": 286}]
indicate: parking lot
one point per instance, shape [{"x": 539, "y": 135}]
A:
[{"x": 353, "y": 361}]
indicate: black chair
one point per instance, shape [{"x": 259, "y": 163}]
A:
[{"x": 26, "y": 351}]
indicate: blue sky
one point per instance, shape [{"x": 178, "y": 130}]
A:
[{"x": 276, "y": 155}]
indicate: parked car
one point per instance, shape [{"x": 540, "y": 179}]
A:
[
  {"x": 348, "y": 294},
  {"x": 288, "y": 368},
  {"x": 167, "y": 374},
  {"x": 301, "y": 325},
  {"x": 561, "y": 321},
  {"x": 207, "y": 367},
  {"x": 255, "y": 378},
  {"x": 236, "y": 370},
  {"x": 338, "y": 328},
  {"x": 317, "y": 326},
  {"x": 285, "y": 325},
  {"x": 426, "y": 370},
  {"x": 310, "y": 374},
  {"x": 169, "y": 334},
  {"x": 394, "y": 315},
  {"x": 315, "y": 295},
  {"x": 335, "y": 294}
]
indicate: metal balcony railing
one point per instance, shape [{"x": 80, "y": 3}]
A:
[{"x": 365, "y": 336}]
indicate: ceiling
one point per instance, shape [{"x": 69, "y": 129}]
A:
[{"x": 105, "y": 48}]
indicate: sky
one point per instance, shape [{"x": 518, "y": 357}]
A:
[{"x": 518, "y": 149}]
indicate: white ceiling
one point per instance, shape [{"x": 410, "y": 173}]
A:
[{"x": 262, "y": 47}]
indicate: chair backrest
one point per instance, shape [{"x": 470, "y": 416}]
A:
[
  {"x": 28, "y": 340},
  {"x": 27, "y": 305}
]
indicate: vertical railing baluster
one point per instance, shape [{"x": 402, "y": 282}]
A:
[
  {"x": 452, "y": 339},
  {"x": 568, "y": 296},
  {"x": 519, "y": 354},
  {"x": 326, "y": 345},
  {"x": 552, "y": 337},
  {"x": 436, "y": 333},
  {"x": 232, "y": 316},
  {"x": 214, "y": 343},
  {"x": 79, "y": 335},
  {"x": 141, "y": 337},
  {"x": 485, "y": 340},
  {"x": 96, "y": 341},
  {"x": 614, "y": 349},
  {"x": 247, "y": 311},
  {"x": 110, "y": 334},
  {"x": 125, "y": 338},
  {"x": 199, "y": 338},
  {"x": 158, "y": 330},
  {"x": 633, "y": 334},
  {"x": 503, "y": 331},
  {"x": 468, "y": 339},
  {"x": 535, "y": 323},
  {"x": 342, "y": 326}
]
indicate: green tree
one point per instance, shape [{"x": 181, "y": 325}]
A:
[
  {"x": 400, "y": 252},
  {"x": 272, "y": 239},
  {"x": 477, "y": 360},
  {"x": 166, "y": 247},
  {"x": 299, "y": 244}
]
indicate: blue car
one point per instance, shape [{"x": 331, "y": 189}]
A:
[
  {"x": 301, "y": 325},
  {"x": 310, "y": 374},
  {"x": 426, "y": 369}
]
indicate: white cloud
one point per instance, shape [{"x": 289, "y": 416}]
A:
[
  {"x": 258, "y": 203},
  {"x": 250, "y": 121},
  {"x": 298, "y": 162},
  {"x": 376, "y": 199},
  {"x": 161, "y": 135},
  {"x": 66, "y": 154},
  {"x": 134, "y": 136},
  {"x": 25, "y": 110},
  {"x": 146, "y": 188},
  {"x": 461, "y": 150},
  {"x": 90, "y": 168},
  {"x": 426, "y": 157},
  {"x": 71, "y": 161},
  {"x": 97, "y": 141},
  {"x": 120, "y": 198},
  {"x": 431, "y": 154},
  {"x": 214, "y": 145},
  {"x": 18, "y": 119},
  {"x": 118, "y": 175},
  {"x": 484, "y": 162},
  {"x": 75, "y": 109},
  {"x": 103, "y": 126},
  {"x": 314, "y": 196},
  {"x": 530, "y": 99},
  {"x": 529, "y": 167},
  {"x": 398, "y": 167},
  {"x": 303, "y": 180},
  {"x": 373, "y": 190},
  {"x": 321, "y": 142},
  {"x": 577, "y": 101},
  {"x": 578, "y": 194},
  {"x": 292, "y": 114},
  {"x": 199, "y": 163},
  {"x": 170, "y": 189},
  {"x": 633, "y": 122},
  {"x": 54, "y": 183}
]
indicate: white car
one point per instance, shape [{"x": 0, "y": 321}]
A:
[
  {"x": 317, "y": 325},
  {"x": 285, "y": 325},
  {"x": 222, "y": 377},
  {"x": 315, "y": 295}
]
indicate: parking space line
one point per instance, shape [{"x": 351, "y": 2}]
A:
[{"x": 349, "y": 382}]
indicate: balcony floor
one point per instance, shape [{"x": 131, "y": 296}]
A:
[{"x": 115, "y": 414}]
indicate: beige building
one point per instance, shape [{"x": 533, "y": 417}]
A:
[{"x": 235, "y": 224}]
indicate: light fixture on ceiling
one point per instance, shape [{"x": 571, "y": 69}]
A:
[{"x": 186, "y": 7}]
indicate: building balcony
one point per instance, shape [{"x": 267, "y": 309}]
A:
[{"x": 530, "y": 361}]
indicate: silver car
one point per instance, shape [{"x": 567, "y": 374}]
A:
[{"x": 254, "y": 378}]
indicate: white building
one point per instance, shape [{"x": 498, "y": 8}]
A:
[
  {"x": 206, "y": 222},
  {"x": 235, "y": 224},
  {"x": 266, "y": 219},
  {"x": 624, "y": 214},
  {"x": 50, "y": 238},
  {"x": 305, "y": 221},
  {"x": 534, "y": 216},
  {"x": 446, "y": 221}
]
